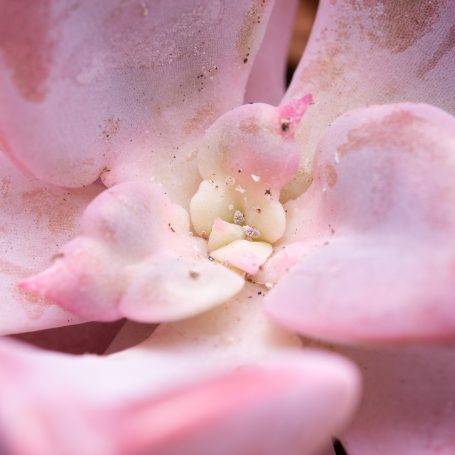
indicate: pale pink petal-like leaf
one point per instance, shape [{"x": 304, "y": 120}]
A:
[
  {"x": 124, "y": 89},
  {"x": 266, "y": 83},
  {"x": 364, "y": 52},
  {"x": 372, "y": 246},
  {"x": 135, "y": 258},
  {"x": 55, "y": 404},
  {"x": 408, "y": 404},
  {"x": 36, "y": 220}
]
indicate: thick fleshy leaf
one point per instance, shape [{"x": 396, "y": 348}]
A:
[
  {"x": 408, "y": 404},
  {"x": 35, "y": 221},
  {"x": 170, "y": 385},
  {"x": 372, "y": 244},
  {"x": 124, "y": 89},
  {"x": 364, "y": 52},
  {"x": 253, "y": 146},
  {"x": 266, "y": 83},
  {"x": 135, "y": 258}
]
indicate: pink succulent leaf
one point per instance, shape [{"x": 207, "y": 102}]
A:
[
  {"x": 135, "y": 258},
  {"x": 408, "y": 403},
  {"x": 125, "y": 89},
  {"x": 254, "y": 144},
  {"x": 146, "y": 96},
  {"x": 36, "y": 220},
  {"x": 374, "y": 232},
  {"x": 364, "y": 52},
  {"x": 266, "y": 83},
  {"x": 260, "y": 385}
]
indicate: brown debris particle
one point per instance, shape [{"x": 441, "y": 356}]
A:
[
  {"x": 110, "y": 128},
  {"x": 285, "y": 124},
  {"x": 246, "y": 35}
]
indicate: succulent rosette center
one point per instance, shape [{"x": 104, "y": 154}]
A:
[
  {"x": 136, "y": 256},
  {"x": 245, "y": 158}
]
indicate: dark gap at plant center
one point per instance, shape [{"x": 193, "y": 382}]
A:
[{"x": 303, "y": 23}]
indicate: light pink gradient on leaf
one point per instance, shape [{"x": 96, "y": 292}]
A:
[
  {"x": 36, "y": 220},
  {"x": 121, "y": 89},
  {"x": 364, "y": 52},
  {"x": 126, "y": 91},
  {"x": 254, "y": 144},
  {"x": 295, "y": 400},
  {"x": 135, "y": 257},
  {"x": 375, "y": 230},
  {"x": 266, "y": 83}
]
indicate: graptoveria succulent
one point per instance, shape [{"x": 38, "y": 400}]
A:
[{"x": 155, "y": 172}]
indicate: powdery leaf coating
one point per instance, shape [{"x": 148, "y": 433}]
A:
[
  {"x": 364, "y": 52},
  {"x": 305, "y": 397},
  {"x": 121, "y": 89},
  {"x": 36, "y": 220},
  {"x": 376, "y": 231},
  {"x": 136, "y": 258}
]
